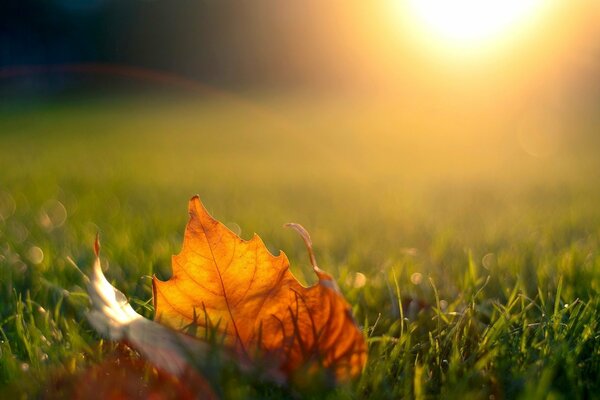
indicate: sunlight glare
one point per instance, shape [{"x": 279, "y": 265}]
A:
[{"x": 469, "y": 23}]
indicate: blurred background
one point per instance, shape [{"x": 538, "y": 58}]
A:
[
  {"x": 480, "y": 67},
  {"x": 427, "y": 53},
  {"x": 406, "y": 119}
]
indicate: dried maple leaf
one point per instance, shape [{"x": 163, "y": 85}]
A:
[
  {"x": 224, "y": 284},
  {"x": 238, "y": 288}
]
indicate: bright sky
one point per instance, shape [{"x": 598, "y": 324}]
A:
[
  {"x": 503, "y": 49},
  {"x": 468, "y": 24},
  {"x": 525, "y": 66}
]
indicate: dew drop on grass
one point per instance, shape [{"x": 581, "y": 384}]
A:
[
  {"x": 53, "y": 214},
  {"x": 489, "y": 261},
  {"x": 443, "y": 305},
  {"x": 35, "y": 255},
  {"x": 360, "y": 280},
  {"x": 416, "y": 278},
  {"x": 18, "y": 232},
  {"x": 7, "y": 205},
  {"x": 20, "y": 267},
  {"x": 410, "y": 251}
]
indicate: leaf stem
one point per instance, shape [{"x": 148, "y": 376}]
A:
[{"x": 307, "y": 241}]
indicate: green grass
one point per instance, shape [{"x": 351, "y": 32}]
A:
[{"x": 482, "y": 262}]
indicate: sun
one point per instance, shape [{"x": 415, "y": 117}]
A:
[{"x": 470, "y": 23}]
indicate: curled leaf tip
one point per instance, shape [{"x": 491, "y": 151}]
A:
[
  {"x": 97, "y": 244},
  {"x": 307, "y": 241}
]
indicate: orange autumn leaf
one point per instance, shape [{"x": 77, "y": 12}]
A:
[{"x": 238, "y": 288}]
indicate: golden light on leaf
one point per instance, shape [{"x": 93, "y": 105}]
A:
[{"x": 250, "y": 296}]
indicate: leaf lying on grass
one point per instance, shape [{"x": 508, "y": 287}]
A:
[{"x": 236, "y": 288}]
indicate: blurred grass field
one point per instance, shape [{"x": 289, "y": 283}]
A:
[{"x": 489, "y": 253}]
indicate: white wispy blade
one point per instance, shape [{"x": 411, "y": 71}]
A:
[{"x": 113, "y": 317}]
